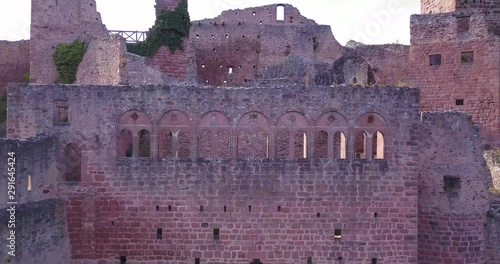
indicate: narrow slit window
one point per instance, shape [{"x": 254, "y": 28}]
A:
[
  {"x": 197, "y": 261},
  {"x": 29, "y": 183},
  {"x": 374, "y": 261},
  {"x": 340, "y": 145},
  {"x": 126, "y": 143},
  {"x": 123, "y": 260},
  {"x": 159, "y": 233},
  {"x": 216, "y": 233},
  {"x": 309, "y": 260}
]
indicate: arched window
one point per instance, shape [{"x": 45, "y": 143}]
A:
[
  {"x": 126, "y": 143},
  {"x": 321, "y": 145},
  {"x": 134, "y": 138},
  {"x": 360, "y": 146},
  {"x": 331, "y": 141},
  {"x": 282, "y": 145},
  {"x": 144, "y": 144},
  {"x": 280, "y": 12},
  {"x": 374, "y": 137},
  {"x": 175, "y": 135},
  {"x": 215, "y": 136},
  {"x": 378, "y": 146},
  {"x": 295, "y": 127},
  {"x": 340, "y": 145},
  {"x": 253, "y": 136},
  {"x": 72, "y": 163}
]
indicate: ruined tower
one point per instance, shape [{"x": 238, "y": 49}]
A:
[
  {"x": 454, "y": 59},
  {"x": 174, "y": 64}
]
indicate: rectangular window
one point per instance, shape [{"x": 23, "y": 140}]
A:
[
  {"x": 63, "y": 114},
  {"x": 338, "y": 233},
  {"x": 435, "y": 59},
  {"x": 374, "y": 261},
  {"x": 123, "y": 260},
  {"x": 463, "y": 24},
  {"x": 196, "y": 261},
  {"x": 159, "y": 233},
  {"x": 216, "y": 234},
  {"x": 459, "y": 102},
  {"x": 451, "y": 184},
  {"x": 467, "y": 57}
]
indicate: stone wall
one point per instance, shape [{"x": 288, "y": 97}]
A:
[
  {"x": 104, "y": 62},
  {"x": 493, "y": 239},
  {"x": 454, "y": 60},
  {"x": 54, "y": 22},
  {"x": 244, "y": 47},
  {"x": 14, "y": 62},
  {"x": 40, "y": 233},
  {"x": 492, "y": 158},
  {"x": 258, "y": 205},
  {"x": 389, "y": 63},
  {"x": 34, "y": 158},
  {"x": 453, "y": 190},
  {"x": 445, "y": 6}
]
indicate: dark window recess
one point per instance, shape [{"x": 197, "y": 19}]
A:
[
  {"x": 467, "y": 57},
  {"x": 169, "y": 208},
  {"x": 451, "y": 183},
  {"x": 157, "y": 208},
  {"x": 459, "y": 102},
  {"x": 63, "y": 114},
  {"x": 225, "y": 208},
  {"x": 279, "y": 208},
  {"x": 249, "y": 208},
  {"x": 309, "y": 260},
  {"x": 216, "y": 233},
  {"x": 374, "y": 261},
  {"x": 159, "y": 233},
  {"x": 123, "y": 260},
  {"x": 338, "y": 233},
  {"x": 339, "y": 258},
  {"x": 197, "y": 261},
  {"x": 256, "y": 261},
  {"x": 375, "y": 215},
  {"x": 318, "y": 215},
  {"x": 463, "y": 24},
  {"x": 435, "y": 59},
  {"x": 201, "y": 208},
  {"x": 112, "y": 223}
]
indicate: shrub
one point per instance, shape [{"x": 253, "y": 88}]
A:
[
  {"x": 170, "y": 28},
  {"x": 67, "y": 57}
]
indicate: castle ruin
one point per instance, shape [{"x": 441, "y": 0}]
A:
[{"x": 262, "y": 140}]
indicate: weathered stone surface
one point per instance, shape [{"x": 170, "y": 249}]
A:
[
  {"x": 14, "y": 62},
  {"x": 40, "y": 231}
]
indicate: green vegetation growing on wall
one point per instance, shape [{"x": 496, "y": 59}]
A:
[
  {"x": 67, "y": 57},
  {"x": 170, "y": 28}
]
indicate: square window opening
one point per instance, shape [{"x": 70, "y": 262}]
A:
[
  {"x": 467, "y": 57},
  {"x": 435, "y": 59},
  {"x": 451, "y": 184},
  {"x": 459, "y": 102}
]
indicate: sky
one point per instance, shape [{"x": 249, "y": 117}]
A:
[{"x": 366, "y": 21}]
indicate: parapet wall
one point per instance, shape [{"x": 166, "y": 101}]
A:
[
  {"x": 453, "y": 190},
  {"x": 14, "y": 62}
]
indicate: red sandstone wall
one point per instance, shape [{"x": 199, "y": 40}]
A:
[
  {"x": 14, "y": 62},
  {"x": 175, "y": 64},
  {"x": 451, "y": 227},
  {"x": 477, "y": 83},
  {"x": 113, "y": 211},
  {"x": 389, "y": 63},
  {"x": 260, "y": 48},
  {"x": 437, "y": 6}
]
